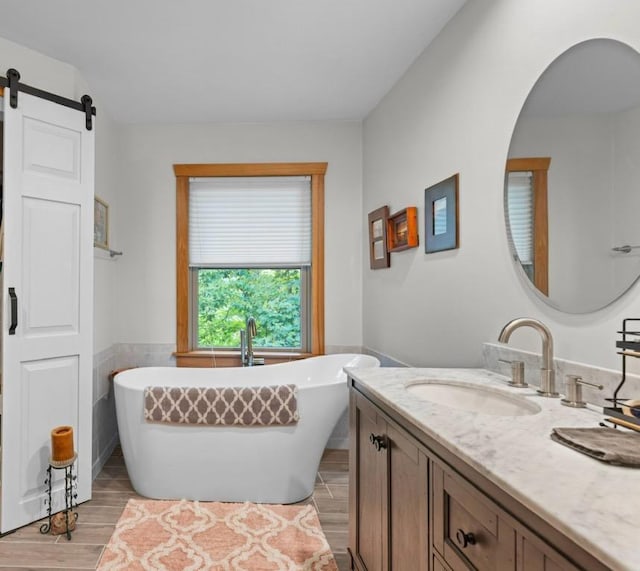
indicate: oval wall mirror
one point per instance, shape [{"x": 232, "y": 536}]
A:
[{"x": 572, "y": 184}]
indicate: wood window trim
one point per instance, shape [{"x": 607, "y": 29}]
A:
[
  {"x": 539, "y": 167},
  {"x": 186, "y": 356}
]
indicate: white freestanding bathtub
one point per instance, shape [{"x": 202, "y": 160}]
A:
[{"x": 272, "y": 464}]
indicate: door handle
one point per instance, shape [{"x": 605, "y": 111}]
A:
[
  {"x": 464, "y": 538},
  {"x": 379, "y": 442},
  {"x": 14, "y": 311}
]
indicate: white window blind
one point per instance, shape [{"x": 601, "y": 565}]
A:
[
  {"x": 520, "y": 201},
  {"x": 250, "y": 222}
]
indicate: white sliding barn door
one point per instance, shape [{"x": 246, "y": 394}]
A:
[{"x": 48, "y": 261}]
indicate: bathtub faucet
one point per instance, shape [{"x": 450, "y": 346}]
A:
[{"x": 246, "y": 344}]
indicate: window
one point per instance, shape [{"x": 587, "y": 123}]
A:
[
  {"x": 520, "y": 211},
  {"x": 527, "y": 216},
  {"x": 250, "y": 255},
  {"x": 249, "y": 242}
]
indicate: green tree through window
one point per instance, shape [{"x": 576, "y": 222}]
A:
[{"x": 226, "y": 297}]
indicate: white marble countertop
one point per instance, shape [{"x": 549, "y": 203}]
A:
[{"x": 597, "y": 505}]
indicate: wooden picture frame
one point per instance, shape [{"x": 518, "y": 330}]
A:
[
  {"x": 402, "y": 229},
  {"x": 378, "y": 253},
  {"x": 100, "y": 223},
  {"x": 441, "y": 216}
]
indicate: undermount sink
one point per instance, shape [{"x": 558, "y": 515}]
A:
[{"x": 473, "y": 398}]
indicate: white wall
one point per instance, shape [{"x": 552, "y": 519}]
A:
[
  {"x": 146, "y": 225},
  {"x": 108, "y": 188},
  {"x": 37, "y": 69},
  {"x": 454, "y": 111}
]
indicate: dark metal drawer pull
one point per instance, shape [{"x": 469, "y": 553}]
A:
[
  {"x": 465, "y": 539},
  {"x": 379, "y": 442}
]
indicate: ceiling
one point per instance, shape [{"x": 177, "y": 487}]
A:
[{"x": 162, "y": 61}]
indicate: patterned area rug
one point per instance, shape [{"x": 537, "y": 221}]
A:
[{"x": 194, "y": 536}]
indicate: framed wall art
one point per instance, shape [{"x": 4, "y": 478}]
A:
[
  {"x": 441, "y": 216},
  {"x": 100, "y": 223},
  {"x": 378, "y": 253},
  {"x": 402, "y": 229}
]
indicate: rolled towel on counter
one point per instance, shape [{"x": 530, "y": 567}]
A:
[
  {"x": 606, "y": 444},
  {"x": 223, "y": 406}
]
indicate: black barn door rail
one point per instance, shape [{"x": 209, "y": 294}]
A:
[{"x": 12, "y": 82}]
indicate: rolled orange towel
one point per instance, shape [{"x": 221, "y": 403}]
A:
[{"x": 62, "y": 443}]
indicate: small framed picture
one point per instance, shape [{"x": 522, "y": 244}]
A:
[
  {"x": 402, "y": 229},
  {"x": 378, "y": 253},
  {"x": 441, "y": 216},
  {"x": 100, "y": 223}
]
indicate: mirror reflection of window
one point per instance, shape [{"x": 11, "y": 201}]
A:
[
  {"x": 440, "y": 216},
  {"x": 527, "y": 216},
  {"x": 520, "y": 212}
]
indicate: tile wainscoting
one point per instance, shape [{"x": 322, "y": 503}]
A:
[
  {"x": 118, "y": 356},
  {"x": 105, "y": 427}
]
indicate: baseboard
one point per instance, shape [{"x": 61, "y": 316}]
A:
[{"x": 104, "y": 456}]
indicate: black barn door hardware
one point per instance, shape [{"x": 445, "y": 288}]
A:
[
  {"x": 88, "y": 110},
  {"x": 12, "y": 81}
]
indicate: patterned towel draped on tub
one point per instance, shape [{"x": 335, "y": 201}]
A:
[{"x": 225, "y": 406}]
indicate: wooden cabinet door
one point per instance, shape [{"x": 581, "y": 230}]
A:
[
  {"x": 367, "y": 473},
  {"x": 388, "y": 494},
  {"x": 407, "y": 504}
]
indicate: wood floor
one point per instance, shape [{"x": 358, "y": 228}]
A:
[{"x": 28, "y": 549}]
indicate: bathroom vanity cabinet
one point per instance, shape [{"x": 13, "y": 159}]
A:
[
  {"x": 415, "y": 506},
  {"x": 388, "y": 483}
]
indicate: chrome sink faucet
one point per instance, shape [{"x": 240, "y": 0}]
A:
[{"x": 547, "y": 371}]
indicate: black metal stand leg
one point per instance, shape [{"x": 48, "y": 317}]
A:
[
  {"x": 45, "y": 527},
  {"x": 70, "y": 498},
  {"x": 67, "y": 499},
  {"x": 74, "y": 492}
]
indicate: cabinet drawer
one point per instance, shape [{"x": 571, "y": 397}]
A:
[
  {"x": 438, "y": 565},
  {"x": 467, "y": 529}
]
